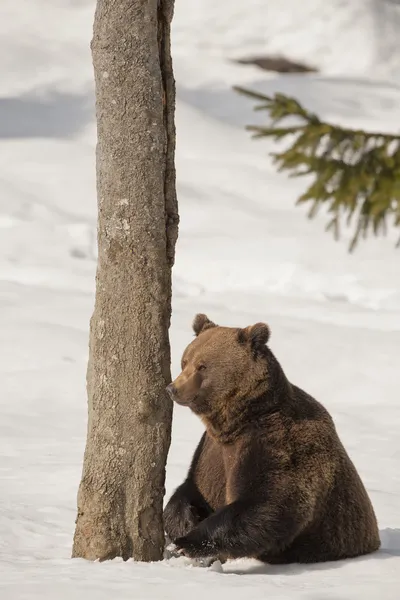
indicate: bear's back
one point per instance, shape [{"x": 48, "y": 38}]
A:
[{"x": 345, "y": 521}]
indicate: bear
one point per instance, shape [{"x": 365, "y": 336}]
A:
[{"x": 270, "y": 478}]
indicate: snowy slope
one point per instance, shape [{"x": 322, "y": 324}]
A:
[
  {"x": 245, "y": 254},
  {"x": 341, "y": 36}
]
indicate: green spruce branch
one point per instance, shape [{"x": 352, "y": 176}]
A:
[{"x": 356, "y": 173}]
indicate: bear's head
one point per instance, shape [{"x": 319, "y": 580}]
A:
[{"x": 222, "y": 368}]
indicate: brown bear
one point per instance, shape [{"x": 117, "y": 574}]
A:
[{"x": 270, "y": 478}]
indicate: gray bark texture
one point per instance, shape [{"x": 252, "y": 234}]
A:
[{"x": 120, "y": 497}]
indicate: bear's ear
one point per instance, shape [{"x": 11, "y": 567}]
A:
[
  {"x": 201, "y": 323},
  {"x": 258, "y": 334}
]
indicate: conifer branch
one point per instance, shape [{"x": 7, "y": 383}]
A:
[{"x": 356, "y": 173}]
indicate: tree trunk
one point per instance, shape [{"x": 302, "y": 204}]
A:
[{"x": 121, "y": 493}]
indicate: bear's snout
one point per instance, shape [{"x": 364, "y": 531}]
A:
[
  {"x": 171, "y": 391},
  {"x": 173, "y": 394},
  {"x": 181, "y": 392}
]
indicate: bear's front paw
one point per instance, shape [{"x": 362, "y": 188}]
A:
[
  {"x": 179, "y": 519},
  {"x": 192, "y": 547}
]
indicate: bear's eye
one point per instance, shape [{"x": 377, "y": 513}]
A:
[
  {"x": 184, "y": 363},
  {"x": 201, "y": 367}
]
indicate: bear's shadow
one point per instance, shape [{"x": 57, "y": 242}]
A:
[{"x": 390, "y": 547}]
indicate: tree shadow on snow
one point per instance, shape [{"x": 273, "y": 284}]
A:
[
  {"x": 390, "y": 547},
  {"x": 323, "y": 95},
  {"x": 57, "y": 115}
]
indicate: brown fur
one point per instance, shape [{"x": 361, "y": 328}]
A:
[{"x": 270, "y": 478}]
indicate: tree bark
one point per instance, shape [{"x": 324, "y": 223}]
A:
[{"x": 120, "y": 497}]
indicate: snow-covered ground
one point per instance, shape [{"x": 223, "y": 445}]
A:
[{"x": 245, "y": 254}]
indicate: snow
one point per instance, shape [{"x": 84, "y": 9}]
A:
[{"x": 245, "y": 254}]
